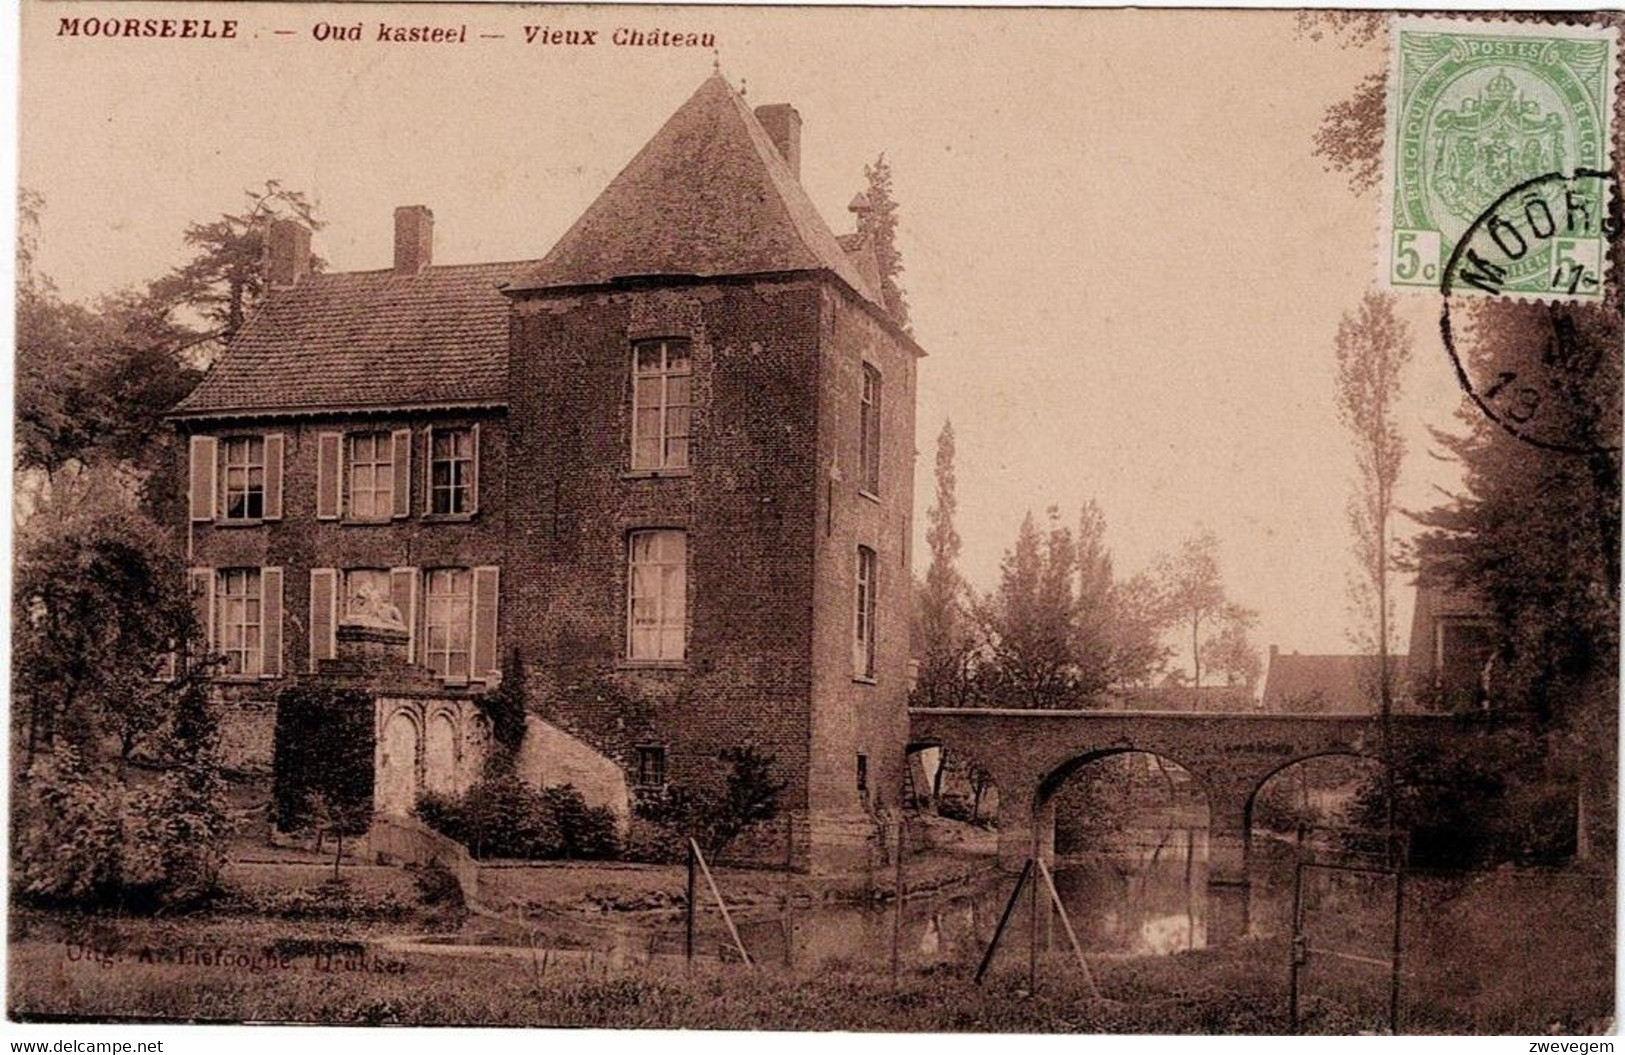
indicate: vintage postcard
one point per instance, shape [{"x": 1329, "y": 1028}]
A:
[{"x": 948, "y": 520}]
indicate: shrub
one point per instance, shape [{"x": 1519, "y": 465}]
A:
[
  {"x": 443, "y": 813},
  {"x": 585, "y": 832},
  {"x": 323, "y": 753},
  {"x": 177, "y": 836},
  {"x": 437, "y": 887},
  {"x": 70, "y": 833},
  {"x": 716, "y": 816},
  {"x": 502, "y": 816}
]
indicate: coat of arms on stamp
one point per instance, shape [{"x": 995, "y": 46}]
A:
[{"x": 1480, "y": 113}]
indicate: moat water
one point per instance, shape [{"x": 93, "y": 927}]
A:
[{"x": 1146, "y": 895}]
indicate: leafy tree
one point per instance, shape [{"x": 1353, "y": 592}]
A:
[
  {"x": 943, "y": 638},
  {"x": 878, "y": 220},
  {"x": 1140, "y": 619},
  {"x": 1097, "y": 606},
  {"x": 1231, "y": 652},
  {"x": 1029, "y": 620},
  {"x": 1192, "y": 588},
  {"x": 99, "y": 608}
]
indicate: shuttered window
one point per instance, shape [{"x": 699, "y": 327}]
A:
[
  {"x": 243, "y": 477},
  {"x": 448, "y": 621},
  {"x": 372, "y": 476},
  {"x": 451, "y": 472},
  {"x": 657, "y": 601},
  {"x": 241, "y": 622}
]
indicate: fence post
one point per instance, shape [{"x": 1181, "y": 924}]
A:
[
  {"x": 897, "y": 900},
  {"x": 688, "y": 934}
]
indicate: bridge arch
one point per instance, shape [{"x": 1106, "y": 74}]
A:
[{"x": 1370, "y": 759}]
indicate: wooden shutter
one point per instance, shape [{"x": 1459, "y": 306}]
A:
[
  {"x": 474, "y": 470},
  {"x": 401, "y": 463},
  {"x": 403, "y": 591},
  {"x": 329, "y": 452},
  {"x": 203, "y": 605},
  {"x": 274, "y": 445},
  {"x": 324, "y": 615},
  {"x": 428, "y": 471},
  {"x": 203, "y": 477},
  {"x": 482, "y": 647},
  {"x": 271, "y": 622}
]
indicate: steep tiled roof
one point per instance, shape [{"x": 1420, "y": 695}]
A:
[
  {"x": 709, "y": 195},
  {"x": 1327, "y": 684},
  {"x": 368, "y": 339}
]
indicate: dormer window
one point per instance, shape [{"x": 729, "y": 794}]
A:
[{"x": 661, "y": 394}]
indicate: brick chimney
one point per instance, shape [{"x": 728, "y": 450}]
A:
[
  {"x": 783, "y": 126},
  {"x": 414, "y": 238},
  {"x": 287, "y": 253}
]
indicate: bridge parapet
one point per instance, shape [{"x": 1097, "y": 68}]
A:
[{"x": 1030, "y": 753}]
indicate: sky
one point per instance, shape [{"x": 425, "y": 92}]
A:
[{"x": 1124, "y": 261}]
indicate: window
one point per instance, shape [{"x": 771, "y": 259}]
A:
[
  {"x": 651, "y": 767},
  {"x": 451, "y": 472},
  {"x": 244, "y": 462},
  {"x": 869, "y": 438},
  {"x": 657, "y": 596},
  {"x": 241, "y": 626},
  {"x": 661, "y": 390},
  {"x": 372, "y": 476},
  {"x": 448, "y": 606},
  {"x": 863, "y": 639},
  {"x": 863, "y": 774}
]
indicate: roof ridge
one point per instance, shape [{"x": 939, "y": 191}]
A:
[{"x": 493, "y": 264}]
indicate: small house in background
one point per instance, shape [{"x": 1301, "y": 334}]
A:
[{"x": 1329, "y": 684}]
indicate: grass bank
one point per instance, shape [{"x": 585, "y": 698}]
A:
[{"x": 1504, "y": 952}]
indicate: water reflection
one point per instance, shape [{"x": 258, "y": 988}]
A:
[{"x": 1143, "y": 893}]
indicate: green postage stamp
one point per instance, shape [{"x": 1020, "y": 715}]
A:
[{"x": 1498, "y": 164}]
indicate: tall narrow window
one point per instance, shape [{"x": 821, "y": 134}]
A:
[
  {"x": 661, "y": 391},
  {"x": 241, "y": 625},
  {"x": 869, "y": 441},
  {"x": 451, "y": 472},
  {"x": 863, "y": 638},
  {"x": 448, "y": 606},
  {"x": 243, "y": 458},
  {"x": 657, "y": 595},
  {"x": 372, "y": 476}
]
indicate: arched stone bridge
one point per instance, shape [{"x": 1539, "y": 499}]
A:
[{"x": 1030, "y": 753}]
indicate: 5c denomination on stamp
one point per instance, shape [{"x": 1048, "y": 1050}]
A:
[{"x": 1476, "y": 108}]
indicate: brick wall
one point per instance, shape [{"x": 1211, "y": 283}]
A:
[
  {"x": 747, "y": 505},
  {"x": 298, "y": 542},
  {"x": 852, "y": 715}
]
